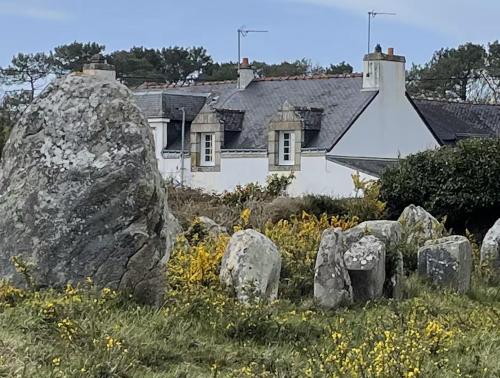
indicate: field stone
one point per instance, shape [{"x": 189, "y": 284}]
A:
[
  {"x": 365, "y": 260},
  {"x": 80, "y": 191},
  {"x": 447, "y": 262},
  {"x": 251, "y": 267},
  {"x": 419, "y": 225},
  {"x": 490, "y": 249},
  {"x": 212, "y": 227},
  {"x": 332, "y": 285}
]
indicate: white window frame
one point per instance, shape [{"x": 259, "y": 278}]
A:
[
  {"x": 207, "y": 151},
  {"x": 286, "y": 148}
]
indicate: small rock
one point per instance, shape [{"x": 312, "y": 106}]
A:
[
  {"x": 212, "y": 228},
  {"x": 332, "y": 285},
  {"x": 251, "y": 267},
  {"x": 367, "y": 275},
  {"x": 490, "y": 249},
  {"x": 447, "y": 262}
]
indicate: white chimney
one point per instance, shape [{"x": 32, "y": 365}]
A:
[
  {"x": 246, "y": 74},
  {"x": 99, "y": 67},
  {"x": 384, "y": 72}
]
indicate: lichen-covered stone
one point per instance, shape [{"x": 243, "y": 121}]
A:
[
  {"x": 365, "y": 260},
  {"x": 80, "y": 191},
  {"x": 490, "y": 249},
  {"x": 419, "y": 225},
  {"x": 447, "y": 262},
  {"x": 332, "y": 285},
  {"x": 251, "y": 266},
  {"x": 387, "y": 231}
]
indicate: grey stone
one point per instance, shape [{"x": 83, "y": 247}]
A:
[
  {"x": 332, "y": 285},
  {"x": 80, "y": 191},
  {"x": 213, "y": 228},
  {"x": 365, "y": 260},
  {"x": 419, "y": 225},
  {"x": 387, "y": 231},
  {"x": 447, "y": 262},
  {"x": 251, "y": 267},
  {"x": 490, "y": 249}
]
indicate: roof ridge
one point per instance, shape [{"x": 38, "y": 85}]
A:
[
  {"x": 450, "y": 101},
  {"x": 310, "y": 77}
]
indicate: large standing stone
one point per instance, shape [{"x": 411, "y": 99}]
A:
[
  {"x": 332, "y": 285},
  {"x": 490, "y": 249},
  {"x": 80, "y": 191},
  {"x": 365, "y": 260},
  {"x": 389, "y": 232},
  {"x": 447, "y": 262},
  {"x": 419, "y": 225},
  {"x": 251, "y": 267}
]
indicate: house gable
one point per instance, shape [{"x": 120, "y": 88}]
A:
[{"x": 388, "y": 127}]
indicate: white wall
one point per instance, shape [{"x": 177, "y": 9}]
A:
[
  {"x": 317, "y": 175},
  {"x": 390, "y": 126}
]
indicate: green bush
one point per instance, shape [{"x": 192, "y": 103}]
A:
[{"x": 461, "y": 182}]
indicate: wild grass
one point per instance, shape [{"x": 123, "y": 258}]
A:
[{"x": 83, "y": 332}]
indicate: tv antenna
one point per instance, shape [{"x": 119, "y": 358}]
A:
[
  {"x": 243, "y": 32},
  {"x": 371, "y": 15}
]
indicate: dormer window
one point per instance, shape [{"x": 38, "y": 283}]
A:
[
  {"x": 207, "y": 149},
  {"x": 286, "y": 151}
]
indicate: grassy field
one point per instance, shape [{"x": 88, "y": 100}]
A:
[{"x": 82, "y": 332}]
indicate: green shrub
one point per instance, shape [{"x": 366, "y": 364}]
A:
[{"x": 461, "y": 182}]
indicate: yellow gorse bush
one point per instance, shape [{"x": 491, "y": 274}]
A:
[
  {"x": 298, "y": 241},
  {"x": 196, "y": 264}
]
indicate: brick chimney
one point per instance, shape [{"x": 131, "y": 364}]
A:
[
  {"x": 384, "y": 72},
  {"x": 99, "y": 67},
  {"x": 246, "y": 74}
]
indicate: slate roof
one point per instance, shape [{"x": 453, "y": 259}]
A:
[
  {"x": 329, "y": 104},
  {"x": 371, "y": 166},
  {"x": 161, "y": 104},
  {"x": 338, "y": 96},
  {"x": 452, "y": 121}
]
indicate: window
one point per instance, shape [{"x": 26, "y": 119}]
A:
[
  {"x": 207, "y": 150},
  {"x": 286, "y": 148}
]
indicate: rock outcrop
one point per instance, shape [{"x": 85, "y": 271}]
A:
[
  {"x": 80, "y": 191},
  {"x": 447, "y": 262},
  {"x": 365, "y": 260},
  {"x": 332, "y": 285},
  {"x": 251, "y": 267},
  {"x": 419, "y": 225},
  {"x": 490, "y": 249}
]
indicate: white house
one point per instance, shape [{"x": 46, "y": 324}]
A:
[{"x": 322, "y": 128}]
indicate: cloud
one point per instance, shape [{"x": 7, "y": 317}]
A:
[
  {"x": 463, "y": 19},
  {"x": 30, "y": 10}
]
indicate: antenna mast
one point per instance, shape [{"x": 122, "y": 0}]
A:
[
  {"x": 371, "y": 15},
  {"x": 243, "y": 32}
]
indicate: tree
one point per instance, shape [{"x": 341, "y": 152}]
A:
[
  {"x": 72, "y": 57},
  {"x": 339, "y": 69},
  {"x": 450, "y": 73},
  {"x": 220, "y": 72},
  {"x": 27, "y": 69},
  {"x": 180, "y": 63},
  {"x": 138, "y": 65}
]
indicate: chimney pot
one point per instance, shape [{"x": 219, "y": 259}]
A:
[{"x": 390, "y": 51}]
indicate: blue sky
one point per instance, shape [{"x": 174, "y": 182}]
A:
[{"x": 325, "y": 31}]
